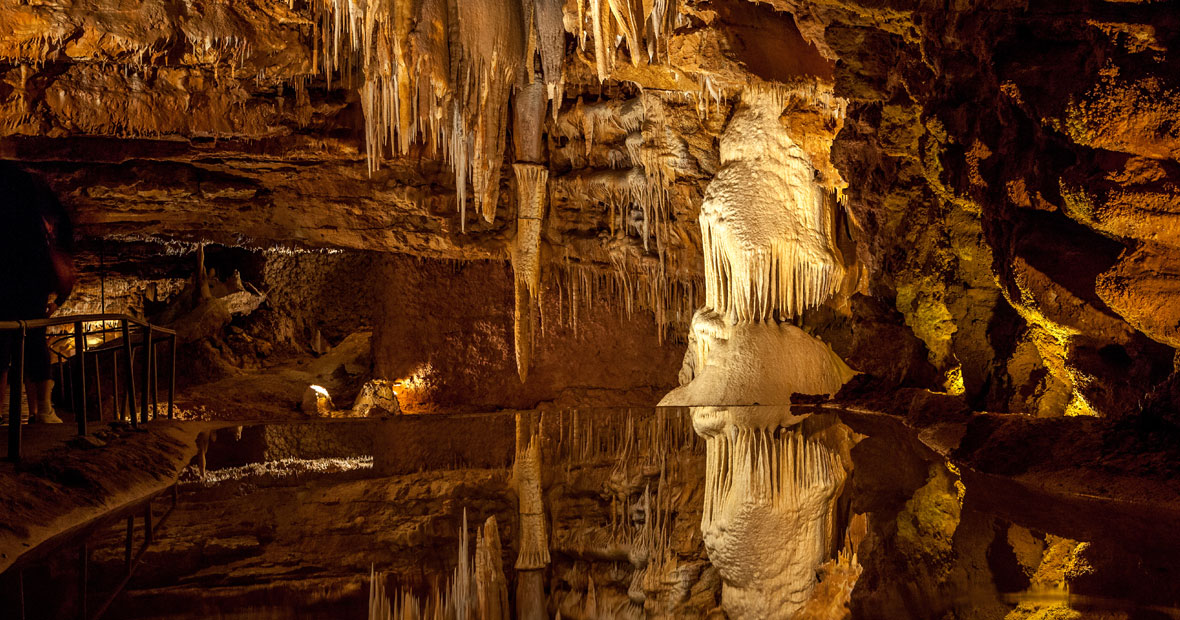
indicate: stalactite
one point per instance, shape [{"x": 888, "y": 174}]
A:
[
  {"x": 641, "y": 170},
  {"x": 526, "y": 256},
  {"x": 551, "y": 45},
  {"x": 435, "y": 72},
  {"x": 600, "y": 33},
  {"x": 531, "y": 191},
  {"x": 644, "y": 25},
  {"x": 631, "y": 286}
]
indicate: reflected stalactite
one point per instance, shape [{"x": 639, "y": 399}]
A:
[
  {"x": 477, "y": 589},
  {"x": 533, "y": 551}
]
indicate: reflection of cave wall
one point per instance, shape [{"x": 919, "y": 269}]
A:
[{"x": 456, "y": 318}]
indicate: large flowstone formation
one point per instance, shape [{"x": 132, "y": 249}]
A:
[
  {"x": 769, "y": 255},
  {"x": 766, "y": 227}
]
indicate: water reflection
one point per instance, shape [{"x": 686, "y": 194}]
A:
[
  {"x": 769, "y": 515},
  {"x": 757, "y": 512}
]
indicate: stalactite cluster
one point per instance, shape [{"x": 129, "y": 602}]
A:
[
  {"x": 624, "y": 286},
  {"x": 436, "y": 73},
  {"x": 644, "y": 26},
  {"x": 766, "y": 223},
  {"x": 640, "y": 170}
]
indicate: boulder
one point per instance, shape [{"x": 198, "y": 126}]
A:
[{"x": 376, "y": 398}]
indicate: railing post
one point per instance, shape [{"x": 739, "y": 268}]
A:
[
  {"x": 148, "y": 532},
  {"x": 16, "y": 377},
  {"x": 98, "y": 383},
  {"x": 128, "y": 367},
  {"x": 127, "y": 544},
  {"x": 120, "y": 409},
  {"x": 155, "y": 379},
  {"x": 115, "y": 386},
  {"x": 83, "y": 578},
  {"x": 61, "y": 378},
  {"x": 172, "y": 381},
  {"x": 147, "y": 371},
  {"x": 20, "y": 594},
  {"x": 80, "y": 384}
]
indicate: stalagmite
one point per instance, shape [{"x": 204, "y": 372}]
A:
[{"x": 769, "y": 255}]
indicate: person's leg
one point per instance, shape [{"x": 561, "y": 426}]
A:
[
  {"x": 40, "y": 399},
  {"x": 4, "y": 394},
  {"x": 31, "y": 399},
  {"x": 5, "y": 360},
  {"x": 39, "y": 385}
]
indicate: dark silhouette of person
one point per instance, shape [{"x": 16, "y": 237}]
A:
[{"x": 36, "y": 277}]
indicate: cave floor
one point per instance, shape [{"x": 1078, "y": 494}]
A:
[
  {"x": 275, "y": 391},
  {"x": 64, "y": 481}
]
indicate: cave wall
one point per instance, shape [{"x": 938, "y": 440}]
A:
[
  {"x": 1014, "y": 167},
  {"x": 444, "y": 328}
]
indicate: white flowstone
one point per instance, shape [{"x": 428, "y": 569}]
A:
[{"x": 770, "y": 488}]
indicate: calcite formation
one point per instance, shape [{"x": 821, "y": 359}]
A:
[
  {"x": 477, "y": 589},
  {"x": 767, "y": 237},
  {"x": 769, "y": 516},
  {"x": 533, "y": 553},
  {"x": 769, "y": 254}
]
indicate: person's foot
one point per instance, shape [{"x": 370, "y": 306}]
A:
[{"x": 49, "y": 418}]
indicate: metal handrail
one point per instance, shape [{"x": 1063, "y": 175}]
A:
[
  {"x": 149, "y": 337},
  {"x": 70, "y": 319}
]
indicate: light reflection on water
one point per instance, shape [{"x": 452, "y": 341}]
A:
[{"x": 1045, "y": 599}]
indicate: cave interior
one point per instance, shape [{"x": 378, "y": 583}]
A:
[{"x": 590, "y": 309}]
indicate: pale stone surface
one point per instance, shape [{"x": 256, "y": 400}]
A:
[
  {"x": 376, "y": 398},
  {"x": 316, "y": 401}
]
